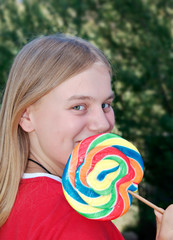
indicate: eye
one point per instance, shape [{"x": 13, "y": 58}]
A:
[
  {"x": 106, "y": 105},
  {"x": 79, "y": 107}
]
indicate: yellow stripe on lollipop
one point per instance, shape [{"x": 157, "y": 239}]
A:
[
  {"x": 118, "y": 141},
  {"x": 95, "y": 202},
  {"x": 87, "y": 163},
  {"x": 82, "y": 208},
  {"x": 92, "y": 180}
]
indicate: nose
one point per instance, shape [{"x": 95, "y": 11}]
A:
[{"x": 100, "y": 122}]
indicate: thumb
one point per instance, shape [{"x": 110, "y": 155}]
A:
[{"x": 158, "y": 222}]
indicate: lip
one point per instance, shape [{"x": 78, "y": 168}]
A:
[{"x": 76, "y": 143}]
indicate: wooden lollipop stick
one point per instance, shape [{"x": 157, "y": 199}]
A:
[{"x": 161, "y": 210}]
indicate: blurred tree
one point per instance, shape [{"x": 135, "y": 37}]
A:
[{"x": 136, "y": 36}]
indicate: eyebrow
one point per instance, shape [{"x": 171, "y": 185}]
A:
[{"x": 83, "y": 97}]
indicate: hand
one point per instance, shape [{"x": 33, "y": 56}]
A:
[{"x": 165, "y": 224}]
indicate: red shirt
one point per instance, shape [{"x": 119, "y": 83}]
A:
[{"x": 41, "y": 212}]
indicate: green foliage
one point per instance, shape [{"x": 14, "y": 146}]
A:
[{"x": 136, "y": 36}]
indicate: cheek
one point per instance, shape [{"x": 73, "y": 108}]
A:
[
  {"x": 111, "y": 118},
  {"x": 76, "y": 124}
]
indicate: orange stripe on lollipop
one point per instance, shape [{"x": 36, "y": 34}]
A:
[
  {"x": 88, "y": 164},
  {"x": 73, "y": 164},
  {"x": 124, "y": 194},
  {"x": 138, "y": 171},
  {"x": 124, "y": 184}
]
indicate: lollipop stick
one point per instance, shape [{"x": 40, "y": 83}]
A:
[{"x": 161, "y": 210}]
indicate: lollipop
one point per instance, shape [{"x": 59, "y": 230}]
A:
[{"x": 98, "y": 175}]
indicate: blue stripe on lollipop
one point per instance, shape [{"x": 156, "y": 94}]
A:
[
  {"x": 68, "y": 187},
  {"x": 131, "y": 153},
  {"x": 104, "y": 173},
  {"x": 89, "y": 192}
]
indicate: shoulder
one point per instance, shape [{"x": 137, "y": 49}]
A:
[
  {"x": 65, "y": 223},
  {"x": 41, "y": 210},
  {"x": 36, "y": 200},
  {"x": 39, "y": 194},
  {"x": 79, "y": 227}
]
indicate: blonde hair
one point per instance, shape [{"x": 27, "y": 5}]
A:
[{"x": 41, "y": 65}]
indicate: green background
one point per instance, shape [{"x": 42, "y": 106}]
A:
[{"x": 136, "y": 36}]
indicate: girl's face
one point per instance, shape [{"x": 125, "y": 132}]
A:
[{"x": 76, "y": 109}]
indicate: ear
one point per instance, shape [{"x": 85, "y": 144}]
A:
[{"x": 25, "y": 121}]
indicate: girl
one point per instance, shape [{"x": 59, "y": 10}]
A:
[{"x": 58, "y": 93}]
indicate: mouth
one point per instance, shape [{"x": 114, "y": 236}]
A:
[{"x": 77, "y": 142}]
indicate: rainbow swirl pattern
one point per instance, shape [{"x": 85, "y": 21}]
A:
[{"x": 98, "y": 174}]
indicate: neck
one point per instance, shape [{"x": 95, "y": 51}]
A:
[
  {"x": 33, "y": 167},
  {"x": 40, "y": 165}
]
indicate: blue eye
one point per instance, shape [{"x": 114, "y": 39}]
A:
[
  {"x": 105, "y": 105},
  {"x": 78, "y": 107}
]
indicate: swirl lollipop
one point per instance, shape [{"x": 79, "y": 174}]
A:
[{"x": 98, "y": 175}]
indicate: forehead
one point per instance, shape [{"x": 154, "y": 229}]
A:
[
  {"x": 97, "y": 77},
  {"x": 92, "y": 83}
]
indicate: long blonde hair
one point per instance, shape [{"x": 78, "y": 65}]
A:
[{"x": 41, "y": 65}]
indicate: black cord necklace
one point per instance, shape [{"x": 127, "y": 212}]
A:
[{"x": 39, "y": 165}]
